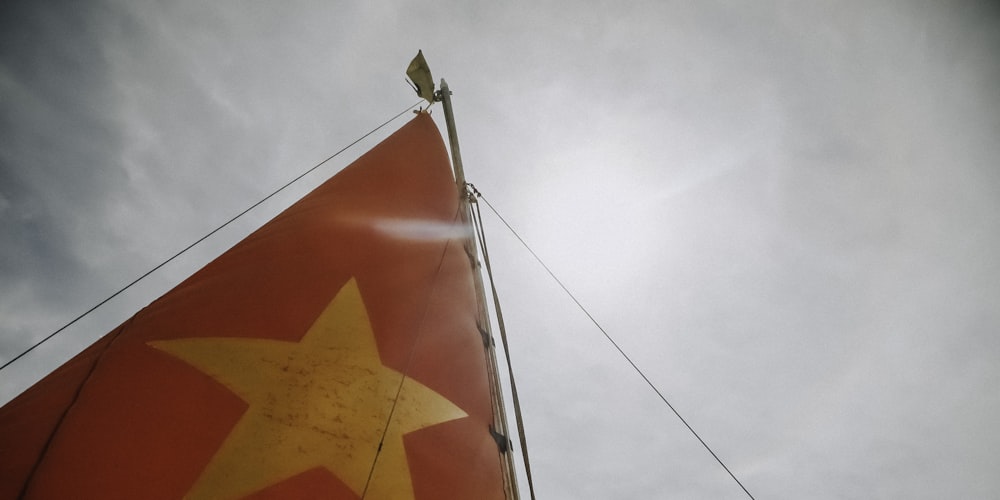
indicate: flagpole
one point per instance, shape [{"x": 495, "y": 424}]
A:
[
  {"x": 456, "y": 154},
  {"x": 499, "y": 430}
]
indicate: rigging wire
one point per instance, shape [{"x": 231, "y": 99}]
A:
[
  {"x": 481, "y": 233},
  {"x": 616, "y": 346},
  {"x": 203, "y": 238},
  {"x": 409, "y": 361}
]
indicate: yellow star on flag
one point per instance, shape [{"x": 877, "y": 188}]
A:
[{"x": 321, "y": 402}]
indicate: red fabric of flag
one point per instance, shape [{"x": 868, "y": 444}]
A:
[{"x": 278, "y": 369}]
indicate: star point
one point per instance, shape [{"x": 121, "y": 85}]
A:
[{"x": 323, "y": 401}]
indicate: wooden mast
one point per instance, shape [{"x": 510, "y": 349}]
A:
[{"x": 500, "y": 431}]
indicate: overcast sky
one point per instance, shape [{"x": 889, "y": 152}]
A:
[{"x": 787, "y": 214}]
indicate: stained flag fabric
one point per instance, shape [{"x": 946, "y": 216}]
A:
[
  {"x": 420, "y": 74},
  {"x": 333, "y": 353}
]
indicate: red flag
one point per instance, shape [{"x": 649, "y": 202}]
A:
[{"x": 332, "y": 353}]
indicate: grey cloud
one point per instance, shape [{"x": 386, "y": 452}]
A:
[{"x": 58, "y": 148}]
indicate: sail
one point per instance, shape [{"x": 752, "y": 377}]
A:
[{"x": 333, "y": 353}]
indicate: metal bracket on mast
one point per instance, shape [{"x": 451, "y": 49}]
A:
[
  {"x": 503, "y": 442},
  {"x": 487, "y": 337},
  {"x": 473, "y": 258}
]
